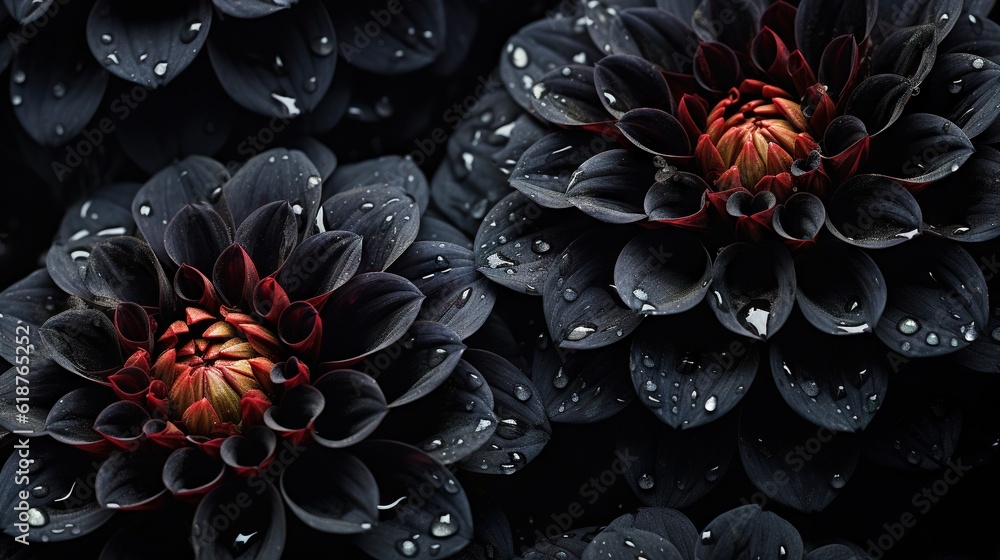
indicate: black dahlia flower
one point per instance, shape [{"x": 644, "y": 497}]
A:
[
  {"x": 730, "y": 185},
  {"x": 239, "y": 347}
]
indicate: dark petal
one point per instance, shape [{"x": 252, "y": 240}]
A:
[
  {"x": 345, "y": 503},
  {"x": 753, "y": 288},
  {"x": 441, "y": 230},
  {"x": 611, "y": 186},
  {"x": 276, "y": 74},
  {"x": 660, "y": 37},
  {"x": 125, "y": 35},
  {"x": 251, "y": 8},
  {"x": 873, "y": 212},
  {"x": 195, "y": 179},
  {"x": 492, "y": 534},
  {"x": 545, "y": 169},
  {"x": 72, "y": 417},
  {"x": 122, "y": 423},
  {"x": 937, "y": 298},
  {"x": 107, "y": 212},
  {"x": 299, "y": 408},
  {"x": 920, "y": 148},
  {"x": 386, "y": 217},
  {"x": 131, "y": 479},
  {"x": 716, "y": 67},
  {"x": 189, "y": 471},
  {"x": 839, "y": 65},
  {"x": 629, "y": 82},
  {"x": 846, "y": 140},
  {"x": 604, "y": 23},
  {"x": 135, "y": 327},
  {"x": 55, "y": 85},
  {"x": 450, "y": 423},
  {"x": 682, "y": 9},
  {"x": 581, "y": 309},
  {"x": 83, "y": 341},
  {"x": 59, "y": 498},
  {"x": 354, "y": 406},
  {"x": 367, "y": 314},
  {"x": 894, "y": 14},
  {"x": 835, "y": 383},
  {"x": 125, "y": 269},
  {"x": 48, "y": 383},
  {"x": 27, "y": 11},
  {"x": 963, "y": 90},
  {"x": 732, "y": 22},
  {"x": 878, "y": 100},
  {"x": 817, "y": 22},
  {"x": 973, "y": 33},
  {"x": 655, "y": 131},
  {"x": 568, "y": 99},
  {"x": 458, "y": 296},
  {"x": 193, "y": 287},
  {"x": 383, "y": 172},
  {"x": 668, "y": 523},
  {"x": 416, "y": 365},
  {"x": 248, "y": 452},
  {"x": 627, "y": 543},
  {"x": 257, "y": 533},
  {"x": 690, "y": 371},
  {"x": 20, "y": 313},
  {"x": 840, "y": 289},
  {"x": 196, "y": 236},
  {"x": 919, "y": 425},
  {"x": 155, "y": 135},
  {"x": 320, "y": 264},
  {"x": 290, "y": 373},
  {"x": 318, "y": 153},
  {"x": 663, "y": 271},
  {"x": 397, "y": 49},
  {"x": 277, "y": 174},
  {"x": 443, "y": 518},
  {"x": 579, "y": 387},
  {"x": 538, "y": 48},
  {"x": 680, "y": 199},
  {"x": 769, "y": 433},
  {"x": 800, "y": 218},
  {"x": 965, "y": 206},
  {"x": 749, "y": 532},
  {"x": 300, "y": 329},
  {"x": 519, "y": 241},
  {"x": 234, "y": 276},
  {"x": 909, "y": 52},
  {"x": 673, "y": 468},
  {"x": 268, "y": 235},
  {"x": 523, "y": 428}
]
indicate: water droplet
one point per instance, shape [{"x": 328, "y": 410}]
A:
[
  {"x": 581, "y": 331},
  {"x": 16, "y": 100},
  {"x": 509, "y": 428},
  {"x": 287, "y": 104},
  {"x": 539, "y": 246},
  {"x": 111, "y": 59},
  {"x": 840, "y": 393},
  {"x": 40, "y": 491},
  {"x": 190, "y": 33},
  {"x": 648, "y": 361},
  {"x": 383, "y": 107},
  {"x": 107, "y": 38},
  {"x": 932, "y": 339},
  {"x": 60, "y": 130},
  {"x": 810, "y": 388},
  {"x": 837, "y": 481},
  {"x": 366, "y": 207},
  {"x": 711, "y": 403},
  {"x": 560, "y": 380},
  {"x": 905, "y": 347},
  {"x": 646, "y": 481},
  {"x": 913, "y": 458},
  {"x": 908, "y": 325},
  {"x": 519, "y": 57},
  {"x": 407, "y": 548},
  {"x": 971, "y": 333},
  {"x": 37, "y": 517},
  {"x": 444, "y": 527},
  {"x": 569, "y": 294},
  {"x": 19, "y": 77},
  {"x": 650, "y": 385},
  {"x": 706, "y": 536},
  {"x": 977, "y": 63},
  {"x": 322, "y": 46},
  {"x": 871, "y": 403},
  {"x": 522, "y": 393},
  {"x": 160, "y": 69},
  {"x": 754, "y": 315},
  {"x": 712, "y": 474},
  {"x": 432, "y": 445},
  {"x": 59, "y": 90},
  {"x": 479, "y": 209}
]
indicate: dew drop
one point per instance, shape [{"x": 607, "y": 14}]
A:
[
  {"x": 977, "y": 63},
  {"x": 40, "y": 491},
  {"x": 519, "y": 57},
  {"x": 540, "y": 246},
  {"x": 810, "y": 388},
  {"x": 908, "y": 325},
  {"x": 37, "y": 517},
  {"x": 837, "y": 481},
  {"x": 646, "y": 481},
  {"x": 711, "y": 403},
  {"x": 443, "y": 526},
  {"x": 522, "y": 393},
  {"x": 19, "y": 77},
  {"x": 160, "y": 69},
  {"x": 16, "y": 100},
  {"x": 407, "y": 548},
  {"x": 955, "y": 86},
  {"x": 59, "y": 90},
  {"x": 569, "y": 294},
  {"x": 190, "y": 33},
  {"x": 932, "y": 339},
  {"x": 913, "y": 458},
  {"x": 107, "y": 38},
  {"x": 322, "y": 46}
]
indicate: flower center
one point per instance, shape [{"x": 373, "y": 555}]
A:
[
  {"x": 755, "y": 132},
  {"x": 210, "y": 365}
]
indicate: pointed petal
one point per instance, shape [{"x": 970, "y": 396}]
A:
[
  {"x": 753, "y": 288},
  {"x": 840, "y": 289},
  {"x": 320, "y": 264},
  {"x": 131, "y": 479},
  {"x": 568, "y": 99},
  {"x": 878, "y": 100},
  {"x": 387, "y": 218},
  {"x": 908, "y": 52},
  {"x": 545, "y": 169},
  {"x": 920, "y": 148},
  {"x": 268, "y": 235},
  {"x": 873, "y": 212},
  {"x": 629, "y": 82},
  {"x": 663, "y": 271},
  {"x": 196, "y": 236},
  {"x": 83, "y": 341},
  {"x": 277, "y": 174},
  {"x": 818, "y": 22},
  {"x": 748, "y": 531},
  {"x": 611, "y": 185},
  {"x": 258, "y": 530}
]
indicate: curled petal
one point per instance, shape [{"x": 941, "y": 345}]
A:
[
  {"x": 611, "y": 186},
  {"x": 268, "y": 235},
  {"x": 353, "y": 407},
  {"x": 301, "y": 329},
  {"x": 189, "y": 472},
  {"x": 344, "y": 505},
  {"x": 753, "y": 288},
  {"x": 568, "y": 99},
  {"x": 800, "y": 218},
  {"x": 320, "y": 264},
  {"x": 125, "y": 269},
  {"x": 196, "y": 236},
  {"x": 630, "y": 82},
  {"x": 297, "y": 411},
  {"x": 663, "y": 271},
  {"x": 83, "y": 341},
  {"x": 122, "y": 423},
  {"x": 134, "y": 327},
  {"x": 919, "y": 148},
  {"x": 387, "y": 218},
  {"x": 131, "y": 479},
  {"x": 878, "y": 100},
  {"x": 260, "y": 525},
  {"x": 270, "y": 299},
  {"x": 655, "y": 131},
  {"x": 545, "y": 169},
  {"x": 873, "y": 212},
  {"x": 818, "y": 22},
  {"x": 250, "y": 452},
  {"x": 840, "y": 289},
  {"x": 679, "y": 200},
  {"x": 908, "y": 52}
]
